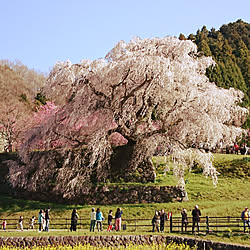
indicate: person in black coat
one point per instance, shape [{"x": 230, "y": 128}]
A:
[
  {"x": 74, "y": 218},
  {"x": 196, "y": 213},
  {"x": 47, "y": 218},
  {"x": 184, "y": 220},
  {"x": 163, "y": 218},
  {"x": 155, "y": 220}
]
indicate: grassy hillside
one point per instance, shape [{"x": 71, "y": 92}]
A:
[
  {"x": 234, "y": 177},
  {"x": 228, "y": 198}
]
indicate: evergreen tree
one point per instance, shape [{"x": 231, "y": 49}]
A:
[
  {"x": 191, "y": 37},
  {"x": 203, "y": 46},
  {"x": 182, "y": 37},
  {"x": 229, "y": 47}
]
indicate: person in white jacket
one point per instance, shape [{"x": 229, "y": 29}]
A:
[{"x": 92, "y": 220}]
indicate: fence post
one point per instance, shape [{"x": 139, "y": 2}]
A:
[
  {"x": 171, "y": 223},
  {"x": 207, "y": 225}
]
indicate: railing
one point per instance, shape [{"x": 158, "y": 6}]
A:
[
  {"x": 209, "y": 224},
  {"x": 82, "y": 223},
  {"x": 174, "y": 224}
]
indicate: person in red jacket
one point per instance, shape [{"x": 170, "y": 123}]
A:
[
  {"x": 236, "y": 148},
  {"x": 4, "y": 225}
]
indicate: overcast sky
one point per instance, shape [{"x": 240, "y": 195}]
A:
[{"x": 41, "y": 32}]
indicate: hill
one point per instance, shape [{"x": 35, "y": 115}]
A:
[
  {"x": 233, "y": 179},
  {"x": 18, "y": 89},
  {"x": 229, "y": 47},
  {"x": 228, "y": 198}
]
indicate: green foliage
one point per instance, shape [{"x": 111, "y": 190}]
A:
[
  {"x": 40, "y": 99},
  {"x": 229, "y": 47},
  {"x": 247, "y": 123},
  {"x": 203, "y": 46}
]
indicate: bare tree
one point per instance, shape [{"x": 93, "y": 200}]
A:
[
  {"x": 152, "y": 94},
  {"x": 18, "y": 88}
]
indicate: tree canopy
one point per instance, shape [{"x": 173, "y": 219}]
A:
[
  {"x": 106, "y": 118},
  {"x": 149, "y": 96}
]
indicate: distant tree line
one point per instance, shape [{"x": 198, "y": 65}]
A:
[{"x": 229, "y": 47}]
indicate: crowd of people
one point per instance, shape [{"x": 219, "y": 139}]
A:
[
  {"x": 235, "y": 148},
  {"x": 160, "y": 217},
  {"x": 97, "y": 218},
  {"x": 158, "y": 221},
  {"x": 43, "y": 220}
]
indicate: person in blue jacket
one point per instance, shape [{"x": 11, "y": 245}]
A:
[{"x": 99, "y": 219}]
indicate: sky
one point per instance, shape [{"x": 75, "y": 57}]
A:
[{"x": 41, "y": 32}]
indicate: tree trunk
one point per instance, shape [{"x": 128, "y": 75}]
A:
[{"x": 127, "y": 166}]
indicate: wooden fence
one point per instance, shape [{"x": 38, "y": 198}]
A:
[
  {"x": 209, "y": 224},
  {"x": 173, "y": 225}
]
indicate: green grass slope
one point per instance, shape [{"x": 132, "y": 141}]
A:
[{"x": 228, "y": 198}]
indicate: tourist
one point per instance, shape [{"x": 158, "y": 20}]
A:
[
  {"x": 118, "y": 219},
  {"x": 163, "y": 218},
  {"x": 184, "y": 220},
  {"x": 110, "y": 218},
  {"x": 99, "y": 219},
  {"x": 245, "y": 216},
  {"x": 92, "y": 220},
  {"x": 4, "y": 225},
  {"x": 44, "y": 221},
  {"x": 236, "y": 148},
  {"x": 155, "y": 224},
  {"x": 20, "y": 221},
  {"x": 40, "y": 219},
  {"x": 246, "y": 149},
  {"x": 243, "y": 149},
  {"x": 158, "y": 220},
  {"x": 74, "y": 218},
  {"x": 196, "y": 213},
  {"x": 32, "y": 223},
  {"x": 47, "y": 220},
  {"x": 221, "y": 146}
]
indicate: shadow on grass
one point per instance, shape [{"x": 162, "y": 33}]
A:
[
  {"x": 12, "y": 205},
  {"x": 238, "y": 168}
]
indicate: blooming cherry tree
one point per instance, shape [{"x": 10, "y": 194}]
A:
[{"x": 145, "y": 95}]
